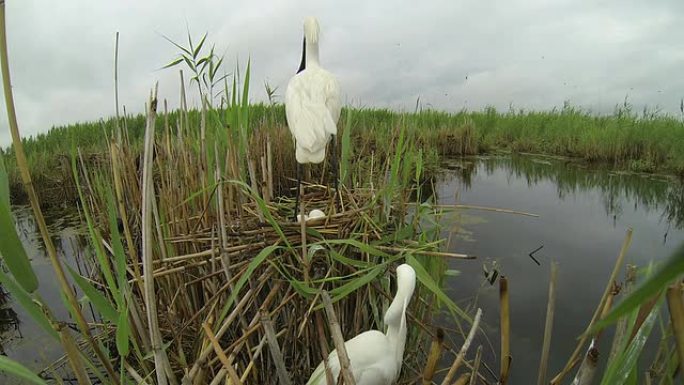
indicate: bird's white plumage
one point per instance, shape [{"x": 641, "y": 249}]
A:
[
  {"x": 376, "y": 357},
  {"x": 312, "y": 102}
]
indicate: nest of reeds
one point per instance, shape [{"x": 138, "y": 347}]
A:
[{"x": 221, "y": 283}]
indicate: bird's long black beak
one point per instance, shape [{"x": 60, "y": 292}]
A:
[{"x": 302, "y": 65}]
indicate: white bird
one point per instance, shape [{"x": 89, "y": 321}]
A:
[
  {"x": 376, "y": 358},
  {"x": 313, "y": 215},
  {"x": 312, "y": 104}
]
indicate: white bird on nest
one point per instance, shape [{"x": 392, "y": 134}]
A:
[
  {"x": 376, "y": 357},
  {"x": 314, "y": 214},
  {"x": 312, "y": 106}
]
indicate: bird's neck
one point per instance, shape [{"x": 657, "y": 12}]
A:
[
  {"x": 396, "y": 335},
  {"x": 311, "y": 53}
]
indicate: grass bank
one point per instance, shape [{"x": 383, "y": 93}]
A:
[{"x": 623, "y": 140}]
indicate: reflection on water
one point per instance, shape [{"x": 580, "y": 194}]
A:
[
  {"x": 584, "y": 214},
  {"x": 654, "y": 193},
  {"x": 20, "y": 338}
]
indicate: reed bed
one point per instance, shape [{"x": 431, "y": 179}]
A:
[
  {"x": 623, "y": 140},
  {"x": 197, "y": 273}
]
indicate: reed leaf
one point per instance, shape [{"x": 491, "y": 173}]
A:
[
  {"x": 427, "y": 281},
  {"x": 122, "y": 333},
  {"x": 13, "y": 253},
  {"x": 343, "y": 291},
  {"x": 625, "y": 363},
  {"x": 18, "y": 370},
  {"x": 4, "y": 183},
  {"x": 101, "y": 303},
  {"x": 27, "y": 303},
  {"x": 669, "y": 270},
  {"x": 253, "y": 265}
]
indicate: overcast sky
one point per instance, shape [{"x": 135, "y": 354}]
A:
[{"x": 452, "y": 54}]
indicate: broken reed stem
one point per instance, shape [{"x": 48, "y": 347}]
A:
[
  {"x": 505, "y": 326},
  {"x": 548, "y": 325},
  {"x": 464, "y": 348},
  {"x": 676, "y": 307},
  {"x": 22, "y": 165},
  {"x": 345, "y": 365},
  {"x": 586, "y": 372},
  {"x": 74, "y": 355},
  {"x": 273, "y": 346},
  {"x": 476, "y": 365},
  {"x": 436, "y": 348},
  {"x": 621, "y": 327},
  {"x": 574, "y": 358}
]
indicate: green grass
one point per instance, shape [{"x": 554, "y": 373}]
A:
[{"x": 622, "y": 140}]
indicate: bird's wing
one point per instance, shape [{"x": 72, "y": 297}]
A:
[
  {"x": 367, "y": 351},
  {"x": 308, "y": 117},
  {"x": 374, "y": 376},
  {"x": 333, "y": 100}
]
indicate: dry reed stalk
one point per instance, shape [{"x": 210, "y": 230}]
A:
[
  {"x": 548, "y": 325},
  {"x": 346, "y": 371},
  {"x": 118, "y": 190},
  {"x": 574, "y": 358},
  {"x": 505, "y": 326},
  {"x": 204, "y": 354},
  {"x": 476, "y": 365},
  {"x": 134, "y": 374},
  {"x": 463, "y": 379},
  {"x": 676, "y": 307},
  {"x": 329, "y": 379},
  {"x": 427, "y": 253},
  {"x": 22, "y": 164},
  {"x": 621, "y": 327},
  {"x": 74, "y": 355},
  {"x": 221, "y": 355},
  {"x": 586, "y": 372},
  {"x": 464, "y": 348},
  {"x": 485, "y": 208},
  {"x": 436, "y": 348},
  {"x": 269, "y": 160},
  {"x": 160, "y": 358},
  {"x": 273, "y": 346}
]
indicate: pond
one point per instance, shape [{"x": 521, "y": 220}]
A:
[
  {"x": 584, "y": 214},
  {"x": 583, "y": 217}
]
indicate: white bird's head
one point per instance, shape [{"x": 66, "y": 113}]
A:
[
  {"x": 311, "y": 30},
  {"x": 406, "y": 284}
]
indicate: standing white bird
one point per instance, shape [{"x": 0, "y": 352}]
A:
[
  {"x": 312, "y": 105},
  {"x": 375, "y": 357}
]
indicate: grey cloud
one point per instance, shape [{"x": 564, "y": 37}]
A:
[{"x": 532, "y": 54}]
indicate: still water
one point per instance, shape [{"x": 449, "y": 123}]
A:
[
  {"x": 20, "y": 338},
  {"x": 584, "y": 214}
]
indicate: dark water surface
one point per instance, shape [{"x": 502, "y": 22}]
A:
[
  {"x": 584, "y": 216},
  {"x": 20, "y": 338}
]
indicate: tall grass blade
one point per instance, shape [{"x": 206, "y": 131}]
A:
[
  {"x": 672, "y": 268},
  {"x": 102, "y": 304},
  {"x": 27, "y": 303},
  {"x": 18, "y": 370}
]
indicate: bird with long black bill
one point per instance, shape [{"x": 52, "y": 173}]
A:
[
  {"x": 376, "y": 357},
  {"x": 312, "y": 107}
]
